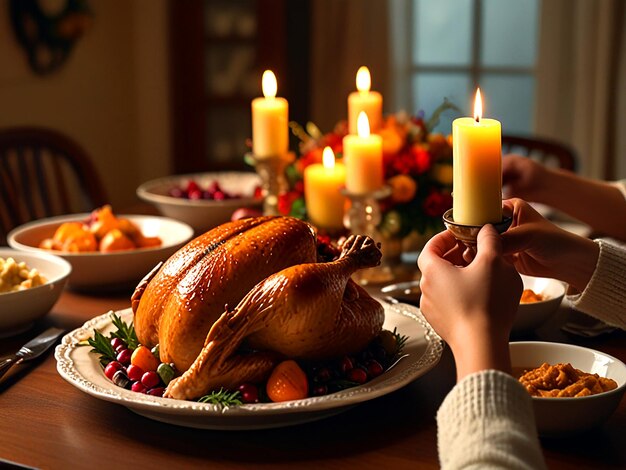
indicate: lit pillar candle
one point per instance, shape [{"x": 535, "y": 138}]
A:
[
  {"x": 270, "y": 126},
  {"x": 363, "y": 157},
  {"x": 370, "y": 102},
  {"x": 322, "y": 191},
  {"x": 477, "y": 168}
]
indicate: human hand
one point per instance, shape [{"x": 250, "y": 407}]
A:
[
  {"x": 471, "y": 305},
  {"x": 524, "y": 178},
  {"x": 539, "y": 248}
]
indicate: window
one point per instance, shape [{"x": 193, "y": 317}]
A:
[{"x": 454, "y": 46}]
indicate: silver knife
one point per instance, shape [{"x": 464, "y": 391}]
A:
[{"x": 34, "y": 348}]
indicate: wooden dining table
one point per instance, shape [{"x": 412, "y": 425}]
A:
[{"x": 46, "y": 422}]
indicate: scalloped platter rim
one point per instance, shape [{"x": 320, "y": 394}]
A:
[{"x": 81, "y": 369}]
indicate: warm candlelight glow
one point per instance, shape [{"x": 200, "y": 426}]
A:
[
  {"x": 363, "y": 79},
  {"x": 363, "y": 125},
  {"x": 328, "y": 158},
  {"x": 478, "y": 106},
  {"x": 269, "y": 84}
]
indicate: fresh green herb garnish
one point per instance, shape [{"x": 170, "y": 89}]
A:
[
  {"x": 102, "y": 345},
  {"x": 400, "y": 340},
  {"x": 222, "y": 397},
  {"x": 125, "y": 332}
]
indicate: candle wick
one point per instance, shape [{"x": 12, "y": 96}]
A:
[{"x": 477, "y": 118}]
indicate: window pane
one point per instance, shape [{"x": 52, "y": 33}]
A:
[
  {"x": 442, "y": 33},
  {"x": 509, "y": 98},
  {"x": 509, "y": 33},
  {"x": 432, "y": 88}
]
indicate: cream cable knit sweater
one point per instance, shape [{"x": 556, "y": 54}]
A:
[
  {"x": 487, "y": 421},
  {"x": 605, "y": 296}
]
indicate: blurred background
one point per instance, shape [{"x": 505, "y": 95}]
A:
[{"x": 156, "y": 87}]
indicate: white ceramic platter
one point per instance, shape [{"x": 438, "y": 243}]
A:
[{"x": 81, "y": 368}]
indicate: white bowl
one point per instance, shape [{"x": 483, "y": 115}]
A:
[
  {"x": 567, "y": 416},
  {"x": 532, "y": 315},
  {"x": 202, "y": 214},
  {"x": 97, "y": 271},
  {"x": 19, "y": 309}
]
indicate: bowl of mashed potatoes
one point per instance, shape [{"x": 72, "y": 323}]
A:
[
  {"x": 30, "y": 285},
  {"x": 574, "y": 389}
]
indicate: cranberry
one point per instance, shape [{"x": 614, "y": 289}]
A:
[
  {"x": 195, "y": 195},
  {"x": 134, "y": 372},
  {"x": 156, "y": 391},
  {"x": 150, "y": 379},
  {"x": 323, "y": 375},
  {"x": 374, "y": 369},
  {"x": 117, "y": 343},
  {"x": 320, "y": 390},
  {"x": 219, "y": 196},
  {"x": 346, "y": 364},
  {"x": 191, "y": 187},
  {"x": 111, "y": 368},
  {"x": 357, "y": 375},
  {"x": 249, "y": 393},
  {"x": 124, "y": 356},
  {"x": 207, "y": 195},
  {"x": 138, "y": 387}
]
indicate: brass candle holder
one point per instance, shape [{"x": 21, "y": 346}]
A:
[
  {"x": 467, "y": 234},
  {"x": 274, "y": 182}
]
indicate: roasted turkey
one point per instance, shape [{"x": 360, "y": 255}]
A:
[
  {"x": 178, "y": 302},
  {"x": 307, "y": 311}
]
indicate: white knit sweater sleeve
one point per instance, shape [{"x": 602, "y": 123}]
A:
[
  {"x": 605, "y": 295},
  {"x": 487, "y": 421}
]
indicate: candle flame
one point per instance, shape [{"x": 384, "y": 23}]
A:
[
  {"x": 478, "y": 106},
  {"x": 269, "y": 84},
  {"x": 363, "y": 79},
  {"x": 363, "y": 125},
  {"x": 328, "y": 158}
]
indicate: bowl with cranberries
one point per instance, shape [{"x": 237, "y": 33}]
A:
[{"x": 204, "y": 200}]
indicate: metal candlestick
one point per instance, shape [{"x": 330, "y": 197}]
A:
[
  {"x": 363, "y": 217},
  {"x": 467, "y": 234},
  {"x": 271, "y": 169}
]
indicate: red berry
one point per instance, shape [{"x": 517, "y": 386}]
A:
[
  {"x": 177, "y": 192},
  {"x": 320, "y": 390},
  {"x": 219, "y": 196},
  {"x": 322, "y": 375},
  {"x": 124, "y": 356},
  {"x": 134, "y": 372},
  {"x": 249, "y": 393},
  {"x": 346, "y": 364},
  {"x": 192, "y": 186},
  {"x": 111, "y": 368},
  {"x": 357, "y": 375},
  {"x": 150, "y": 379},
  {"x": 117, "y": 343},
  {"x": 156, "y": 391},
  {"x": 374, "y": 369},
  {"x": 138, "y": 387},
  {"x": 195, "y": 195}
]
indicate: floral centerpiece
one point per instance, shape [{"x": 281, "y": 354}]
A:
[{"x": 417, "y": 168}]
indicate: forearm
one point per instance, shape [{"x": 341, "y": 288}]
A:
[
  {"x": 487, "y": 421},
  {"x": 599, "y": 204},
  {"x": 476, "y": 351}
]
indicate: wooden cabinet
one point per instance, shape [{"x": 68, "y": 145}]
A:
[{"x": 219, "y": 49}]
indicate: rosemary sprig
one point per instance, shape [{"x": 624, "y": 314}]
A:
[
  {"x": 125, "y": 332},
  {"x": 102, "y": 345},
  {"x": 222, "y": 397},
  {"x": 400, "y": 340}
]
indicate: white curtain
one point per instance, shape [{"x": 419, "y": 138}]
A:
[
  {"x": 345, "y": 35},
  {"x": 579, "y": 82}
]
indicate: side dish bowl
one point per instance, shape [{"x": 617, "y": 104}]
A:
[
  {"x": 19, "y": 309},
  {"x": 119, "y": 270},
  {"x": 532, "y": 315},
  {"x": 202, "y": 214},
  {"x": 566, "y": 416}
]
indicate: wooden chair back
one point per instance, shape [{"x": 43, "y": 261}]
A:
[
  {"x": 44, "y": 173},
  {"x": 549, "y": 152}
]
